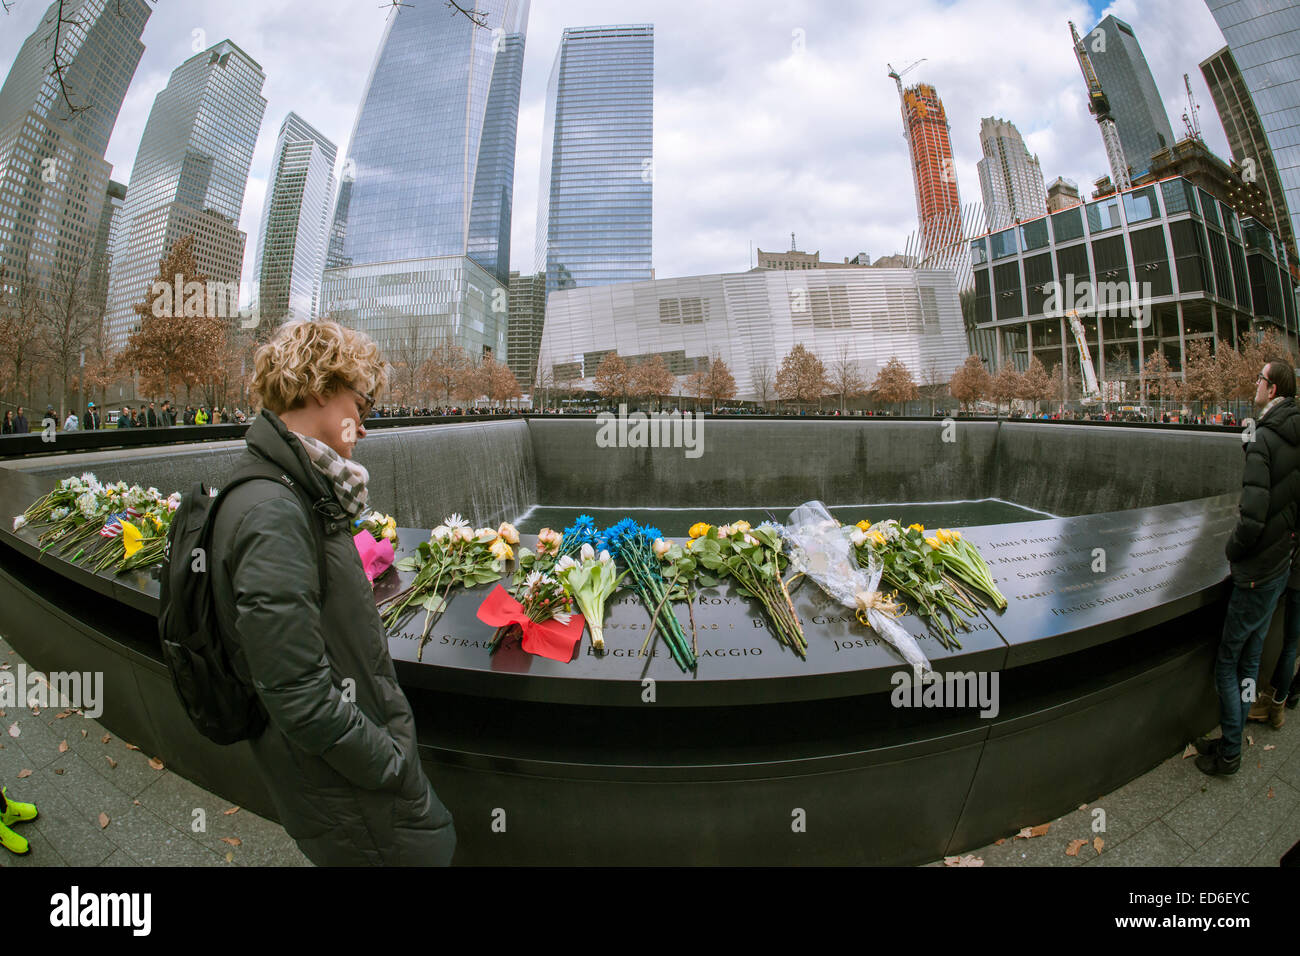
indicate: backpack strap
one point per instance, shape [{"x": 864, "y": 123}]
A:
[{"x": 316, "y": 510}]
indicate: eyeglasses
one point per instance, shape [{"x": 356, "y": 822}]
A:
[
  {"x": 1264, "y": 379},
  {"x": 369, "y": 400}
]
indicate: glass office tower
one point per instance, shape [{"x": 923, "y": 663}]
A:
[
  {"x": 594, "y": 200},
  {"x": 419, "y": 245},
  {"x": 1011, "y": 180},
  {"x": 1135, "y": 102},
  {"x": 53, "y": 176},
  {"x": 295, "y": 221},
  {"x": 189, "y": 178},
  {"x": 1264, "y": 37}
]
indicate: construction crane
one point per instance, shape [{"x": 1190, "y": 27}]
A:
[
  {"x": 1099, "y": 106},
  {"x": 1091, "y": 390},
  {"x": 1191, "y": 116}
]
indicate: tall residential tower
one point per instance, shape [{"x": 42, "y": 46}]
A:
[
  {"x": 938, "y": 207},
  {"x": 189, "y": 177},
  {"x": 594, "y": 217},
  {"x": 295, "y": 221},
  {"x": 419, "y": 245},
  {"x": 1011, "y": 180}
]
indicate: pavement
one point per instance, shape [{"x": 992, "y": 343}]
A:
[{"x": 104, "y": 803}]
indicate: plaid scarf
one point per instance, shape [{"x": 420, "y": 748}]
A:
[
  {"x": 347, "y": 478},
  {"x": 1272, "y": 403}
]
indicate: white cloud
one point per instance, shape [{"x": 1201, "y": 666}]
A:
[{"x": 753, "y": 138}]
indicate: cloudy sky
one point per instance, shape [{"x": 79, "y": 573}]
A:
[{"x": 770, "y": 117}]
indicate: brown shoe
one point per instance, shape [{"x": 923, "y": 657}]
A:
[{"x": 1268, "y": 709}]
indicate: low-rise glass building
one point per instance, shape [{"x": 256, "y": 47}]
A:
[{"x": 1153, "y": 268}]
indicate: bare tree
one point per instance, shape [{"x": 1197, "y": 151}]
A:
[
  {"x": 845, "y": 377},
  {"x": 763, "y": 378},
  {"x": 20, "y": 327},
  {"x": 66, "y": 319},
  {"x": 443, "y": 369},
  {"x": 409, "y": 351}
]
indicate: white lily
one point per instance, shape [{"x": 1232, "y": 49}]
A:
[{"x": 587, "y": 552}]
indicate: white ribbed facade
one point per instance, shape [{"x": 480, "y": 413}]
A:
[
  {"x": 752, "y": 319},
  {"x": 1010, "y": 178},
  {"x": 295, "y": 222}
]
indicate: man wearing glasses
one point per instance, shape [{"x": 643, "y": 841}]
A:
[{"x": 1259, "y": 554}]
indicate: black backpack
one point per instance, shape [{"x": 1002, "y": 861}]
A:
[{"x": 221, "y": 706}]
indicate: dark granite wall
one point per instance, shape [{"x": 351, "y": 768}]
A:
[
  {"x": 494, "y": 471},
  {"x": 1062, "y": 469}
]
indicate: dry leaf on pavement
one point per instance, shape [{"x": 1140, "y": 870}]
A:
[
  {"x": 131, "y": 747},
  {"x": 1270, "y": 793},
  {"x": 155, "y": 763},
  {"x": 230, "y": 856},
  {"x": 230, "y": 811},
  {"x": 24, "y": 773},
  {"x": 1189, "y": 751},
  {"x": 105, "y": 739},
  {"x": 1098, "y": 843},
  {"x": 967, "y": 860},
  {"x": 103, "y": 820},
  {"x": 1270, "y": 746},
  {"x": 63, "y": 746},
  {"x": 13, "y": 729},
  {"x": 1074, "y": 847},
  {"x": 112, "y": 764},
  {"x": 233, "y": 841},
  {"x": 1000, "y": 842}
]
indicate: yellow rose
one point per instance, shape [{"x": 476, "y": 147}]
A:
[
  {"x": 934, "y": 543},
  {"x": 864, "y": 524},
  {"x": 699, "y": 529},
  {"x": 876, "y": 538},
  {"x": 916, "y": 527},
  {"x": 741, "y": 526},
  {"x": 501, "y": 551}
]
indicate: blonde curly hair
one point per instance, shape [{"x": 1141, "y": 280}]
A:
[{"x": 315, "y": 357}]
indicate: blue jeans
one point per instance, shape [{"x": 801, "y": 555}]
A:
[
  {"x": 1250, "y": 611},
  {"x": 1284, "y": 670}
]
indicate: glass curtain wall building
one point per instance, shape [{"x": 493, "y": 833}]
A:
[
  {"x": 1149, "y": 270},
  {"x": 594, "y": 215},
  {"x": 295, "y": 221},
  {"x": 53, "y": 176},
  {"x": 419, "y": 245},
  {"x": 189, "y": 178},
  {"x": 1135, "y": 103},
  {"x": 1264, "y": 37},
  {"x": 1250, "y": 149}
]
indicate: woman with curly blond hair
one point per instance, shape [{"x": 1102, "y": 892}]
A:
[{"x": 339, "y": 753}]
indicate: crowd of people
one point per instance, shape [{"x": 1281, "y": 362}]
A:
[{"x": 150, "y": 415}]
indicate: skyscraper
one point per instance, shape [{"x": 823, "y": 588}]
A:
[
  {"x": 53, "y": 176},
  {"x": 101, "y": 259},
  {"x": 938, "y": 207},
  {"x": 1135, "y": 103},
  {"x": 189, "y": 177},
  {"x": 419, "y": 245},
  {"x": 1010, "y": 179},
  {"x": 594, "y": 222},
  {"x": 295, "y": 220},
  {"x": 1264, "y": 38},
  {"x": 524, "y": 335}
]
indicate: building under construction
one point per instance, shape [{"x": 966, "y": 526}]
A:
[{"x": 937, "y": 202}]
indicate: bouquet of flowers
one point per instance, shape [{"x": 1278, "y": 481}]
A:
[
  {"x": 590, "y": 579},
  {"x": 963, "y": 561},
  {"x": 908, "y": 565},
  {"x": 139, "y": 542},
  {"x": 379, "y": 525},
  {"x": 821, "y": 549},
  {"x": 542, "y": 600},
  {"x": 454, "y": 555},
  {"x": 754, "y": 557},
  {"x": 634, "y": 545}
]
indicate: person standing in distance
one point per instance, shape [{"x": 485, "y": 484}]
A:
[{"x": 342, "y": 768}]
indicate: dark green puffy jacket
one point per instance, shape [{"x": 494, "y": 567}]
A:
[
  {"x": 1259, "y": 548},
  {"x": 339, "y": 755}
]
